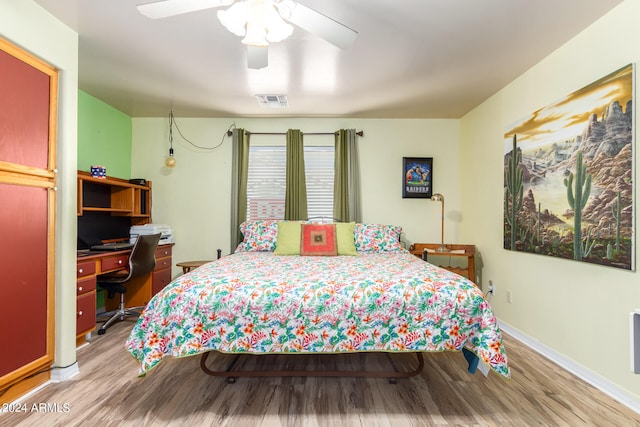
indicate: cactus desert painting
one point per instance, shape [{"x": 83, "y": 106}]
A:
[{"x": 568, "y": 176}]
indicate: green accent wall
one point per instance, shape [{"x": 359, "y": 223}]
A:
[{"x": 104, "y": 137}]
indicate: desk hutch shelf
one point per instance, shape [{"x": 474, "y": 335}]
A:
[{"x": 116, "y": 196}]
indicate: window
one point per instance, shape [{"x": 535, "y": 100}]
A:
[
  {"x": 319, "y": 172},
  {"x": 266, "y": 181}
]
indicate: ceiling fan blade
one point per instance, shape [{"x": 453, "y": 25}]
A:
[
  {"x": 257, "y": 57},
  {"x": 166, "y": 8},
  {"x": 321, "y": 25}
]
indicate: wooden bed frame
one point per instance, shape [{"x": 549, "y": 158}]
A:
[{"x": 232, "y": 374}]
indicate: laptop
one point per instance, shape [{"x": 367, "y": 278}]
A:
[{"x": 112, "y": 246}]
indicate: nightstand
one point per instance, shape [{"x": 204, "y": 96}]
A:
[
  {"x": 187, "y": 266},
  {"x": 456, "y": 252}
]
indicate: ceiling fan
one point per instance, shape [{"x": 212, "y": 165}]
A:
[{"x": 259, "y": 22}]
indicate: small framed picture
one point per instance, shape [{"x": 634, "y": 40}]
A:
[{"x": 417, "y": 177}]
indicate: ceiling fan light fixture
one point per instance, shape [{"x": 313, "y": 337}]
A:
[
  {"x": 277, "y": 28},
  {"x": 256, "y": 35},
  {"x": 234, "y": 19},
  {"x": 258, "y": 21},
  {"x": 286, "y": 8}
]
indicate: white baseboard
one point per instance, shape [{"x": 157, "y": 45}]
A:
[
  {"x": 580, "y": 371},
  {"x": 63, "y": 374}
]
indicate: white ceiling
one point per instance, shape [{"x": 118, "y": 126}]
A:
[{"x": 412, "y": 58}]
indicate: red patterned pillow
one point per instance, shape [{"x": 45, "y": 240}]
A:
[{"x": 318, "y": 239}]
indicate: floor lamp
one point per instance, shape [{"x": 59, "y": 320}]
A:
[{"x": 440, "y": 198}]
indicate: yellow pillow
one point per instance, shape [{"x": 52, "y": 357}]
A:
[
  {"x": 288, "y": 240},
  {"x": 345, "y": 237}
]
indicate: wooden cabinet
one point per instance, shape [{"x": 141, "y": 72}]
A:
[
  {"x": 465, "y": 254},
  {"x": 86, "y": 312},
  {"x": 85, "y": 297},
  {"x": 88, "y": 269},
  {"x": 27, "y": 220},
  {"x": 161, "y": 275}
]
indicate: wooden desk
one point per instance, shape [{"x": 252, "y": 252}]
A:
[
  {"x": 459, "y": 251},
  {"x": 139, "y": 291}
]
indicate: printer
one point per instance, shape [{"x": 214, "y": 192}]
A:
[{"x": 165, "y": 231}]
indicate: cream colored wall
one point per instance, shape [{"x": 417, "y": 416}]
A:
[
  {"x": 26, "y": 24},
  {"x": 194, "y": 197},
  {"x": 579, "y": 310}
]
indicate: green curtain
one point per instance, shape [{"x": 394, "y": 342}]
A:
[
  {"x": 340, "y": 178},
  {"x": 295, "y": 202},
  {"x": 346, "y": 181},
  {"x": 239, "y": 171}
]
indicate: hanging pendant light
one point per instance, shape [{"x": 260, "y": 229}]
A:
[{"x": 170, "y": 161}]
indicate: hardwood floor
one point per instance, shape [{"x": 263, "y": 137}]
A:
[{"x": 107, "y": 392}]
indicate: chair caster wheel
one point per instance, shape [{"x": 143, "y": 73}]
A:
[{"x": 101, "y": 331}]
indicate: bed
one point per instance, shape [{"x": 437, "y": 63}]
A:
[{"x": 264, "y": 300}]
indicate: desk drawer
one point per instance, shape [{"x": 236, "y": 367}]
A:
[
  {"x": 162, "y": 263},
  {"x": 159, "y": 280},
  {"x": 163, "y": 251},
  {"x": 86, "y": 268},
  {"x": 86, "y": 285},
  {"x": 114, "y": 263},
  {"x": 86, "y": 313}
]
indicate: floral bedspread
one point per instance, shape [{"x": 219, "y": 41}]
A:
[{"x": 258, "y": 302}]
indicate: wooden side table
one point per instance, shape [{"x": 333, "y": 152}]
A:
[
  {"x": 455, "y": 251},
  {"x": 187, "y": 266}
]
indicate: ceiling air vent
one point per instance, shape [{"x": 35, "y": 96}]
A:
[{"x": 272, "y": 101}]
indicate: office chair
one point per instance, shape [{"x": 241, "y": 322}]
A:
[{"x": 141, "y": 261}]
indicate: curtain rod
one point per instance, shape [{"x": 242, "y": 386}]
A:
[{"x": 229, "y": 133}]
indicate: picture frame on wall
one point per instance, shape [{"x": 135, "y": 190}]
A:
[
  {"x": 569, "y": 180},
  {"x": 417, "y": 177}
]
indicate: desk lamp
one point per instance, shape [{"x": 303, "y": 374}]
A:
[{"x": 440, "y": 198}]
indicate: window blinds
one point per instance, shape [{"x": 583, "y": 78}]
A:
[{"x": 266, "y": 181}]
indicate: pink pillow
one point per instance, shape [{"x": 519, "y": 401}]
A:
[{"x": 318, "y": 239}]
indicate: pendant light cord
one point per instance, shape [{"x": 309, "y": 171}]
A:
[
  {"x": 171, "y": 133},
  {"x": 172, "y": 123}
]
